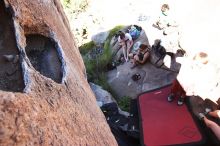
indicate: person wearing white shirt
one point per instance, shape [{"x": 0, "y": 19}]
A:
[{"x": 126, "y": 42}]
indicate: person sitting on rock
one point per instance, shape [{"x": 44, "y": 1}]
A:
[
  {"x": 165, "y": 21},
  {"x": 141, "y": 56},
  {"x": 126, "y": 42},
  {"x": 169, "y": 33}
]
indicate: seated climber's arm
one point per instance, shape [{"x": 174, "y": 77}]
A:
[
  {"x": 130, "y": 45},
  {"x": 171, "y": 21},
  {"x": 213, "y": 126},
  {"x": 146, "y": 56},
  {"x": 161, "y": 25},
  {"x": 158, "y": 24},
  {"x": 122, "y": 43},
  {"x": 129, "y": 42},
  {"x": 172, "y": 27}
]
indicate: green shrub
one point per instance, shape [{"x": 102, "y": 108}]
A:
[
  {"x": 124, "y": 103},
  {"x": 114, "y": 31},
  {"x": 65, "y": 3},
  {"x": 106, "y": 56},
  {"x": 101, "y": 80},
  {"x": 85, "y": 48},
  {"x": 107, "y": 53},
  {"x": 90, "y": 66},
  {"x": 96, "y": 68},
  {"x": 97, "y": 65}
]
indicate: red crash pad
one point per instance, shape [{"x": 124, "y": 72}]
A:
[{"x": 166, "y": 123}]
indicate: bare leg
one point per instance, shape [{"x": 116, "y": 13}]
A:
[
  {"x": 128, "y": 45},
  {"x": 213, "y": 126},
  {"x": 134, "y": 61},
  {"x": 131, "y": 56},
  {"x": 124, "y": 52},
  {"x": 128, "y": 51}
]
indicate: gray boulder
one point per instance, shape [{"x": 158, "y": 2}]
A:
[
  {"x": 102, "y": 96},
  {"x": 100, "y": 37}
]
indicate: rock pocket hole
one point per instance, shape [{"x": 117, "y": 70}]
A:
[
  {"x": 42, "y": 53},
  {"x": 11, "y": 78}
]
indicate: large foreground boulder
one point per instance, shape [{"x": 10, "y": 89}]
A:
[{"x": 44, "y": 95}]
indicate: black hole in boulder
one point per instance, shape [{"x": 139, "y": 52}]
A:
[
  {"x": 11, "y": 78},
  {"x": 43, "y": 55}
]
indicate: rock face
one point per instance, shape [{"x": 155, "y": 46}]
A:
[
  {"x": 47, "y": 100},
  {"x": 10, "y": 73}
]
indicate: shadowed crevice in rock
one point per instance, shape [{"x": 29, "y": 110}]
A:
[
  {"x": 44, "y": 57},
  {"x": 10, "y": 73}
]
